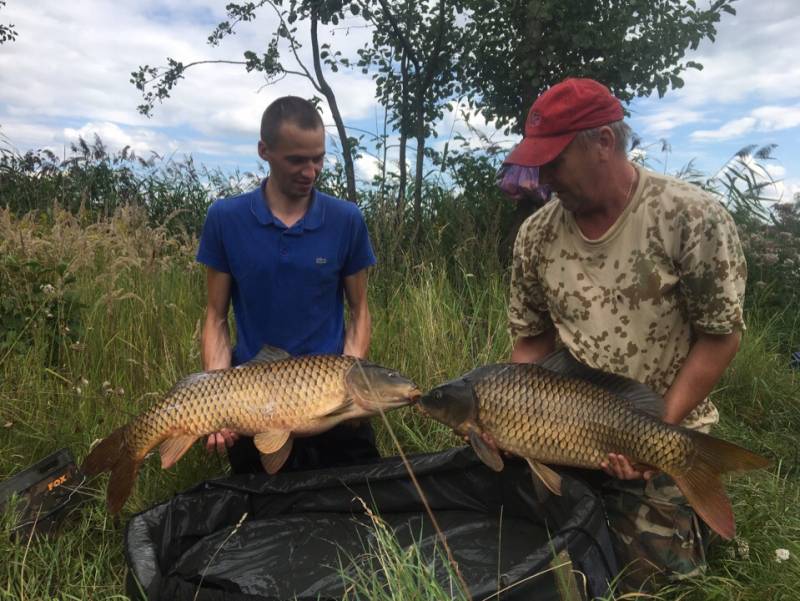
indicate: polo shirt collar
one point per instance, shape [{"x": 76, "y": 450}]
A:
[{"x": 314, "y": 217}]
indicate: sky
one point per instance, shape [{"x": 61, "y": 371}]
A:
[{"x": 67, "y": 75}]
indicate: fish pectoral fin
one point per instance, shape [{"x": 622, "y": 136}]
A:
[
  {"x": 267, "y": 354},
  {"x": 487, "y": 454},
  {"x": 174, "y": 448},
  {"x": 272, "y": 462},
  {"x": 270, "y": 441},
  {"x": 549, "y": 477}
]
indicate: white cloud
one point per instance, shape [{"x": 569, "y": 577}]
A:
[
  {"x": 761, "y": 119},
  {"x": 72, "y": 63},
  {"x": 774, "y": 118},
  {"x": 114, "y": 137},
  {"x": 662, "y": 122},
  {"x": 732, "y": 129},
  {"x": 367, "y": 167}
]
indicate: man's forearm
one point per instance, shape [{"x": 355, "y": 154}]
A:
[
  {"x": 215, "y": 349},
  {"x": 358, "y": 332},
  {"x": 708, "y": 358}
]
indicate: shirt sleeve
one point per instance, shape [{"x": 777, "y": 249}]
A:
[
  {"x": 713, "y": 269},
  {"x": 360, "y": 255},
  {"x": 211, "y": 250},
  {"x": 528, "y": 313}
]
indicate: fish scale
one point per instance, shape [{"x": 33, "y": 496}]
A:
[
  {"x": 529, "y": 412},
  {"x": 574, "y": 420},
  {"x": 273, "y": 398},
  {"x": 265, "y": 396}
]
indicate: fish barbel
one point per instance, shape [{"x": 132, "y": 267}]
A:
[
  {"x": 547, "y": 417},
  {"x": 272, "y": 398}
]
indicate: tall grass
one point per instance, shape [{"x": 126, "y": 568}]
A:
[{"x": 101, "y": 315}]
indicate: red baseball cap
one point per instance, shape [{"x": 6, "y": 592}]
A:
[{"x": 559, "y": 114}]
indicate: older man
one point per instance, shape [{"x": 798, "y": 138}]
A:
[{"x": 638, "y": 274}]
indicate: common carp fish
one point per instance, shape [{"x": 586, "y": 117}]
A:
[
  {"x": 561, "y": 412},
  {"x": 273, "y": 398}
]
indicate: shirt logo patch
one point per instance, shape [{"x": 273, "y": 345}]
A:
[{"x": 321, "y": 260}]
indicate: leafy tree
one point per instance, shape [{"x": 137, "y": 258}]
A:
[
  {"x": 516, "y": 49},
  {"x": 157, "y": 83},
  {"x": 7, "y": 32},
  {"x": 415, "y": 51}
]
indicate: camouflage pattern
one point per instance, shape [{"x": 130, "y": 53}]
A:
[
  {"x": 628, "y": 303},
  {"x": 657, "y": 536}
]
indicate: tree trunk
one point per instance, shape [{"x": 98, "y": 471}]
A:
[
  {"x": 401, "y": 192},
  {"x": 347, "y": 151}
]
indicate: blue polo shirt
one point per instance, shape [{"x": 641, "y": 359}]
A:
[{"x": 287, "y": 283}]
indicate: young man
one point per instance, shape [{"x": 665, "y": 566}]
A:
[
  {"x": 286, "y": 254},
  {"x": 638, "y": 274}
]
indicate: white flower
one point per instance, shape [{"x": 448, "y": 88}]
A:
[
  {"x": 782, "y": 555},
  {"x": 742, "y": 548},
  {"x": 47, "y": 288}
]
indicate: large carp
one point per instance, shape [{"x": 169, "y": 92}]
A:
[
  {"x": 571, "y": 415},
  {"x": 272, "y": 398}
]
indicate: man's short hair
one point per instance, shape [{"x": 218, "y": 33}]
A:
[
  {"x": 622, "y": 135},
  {"x": 288, "y": 109}
]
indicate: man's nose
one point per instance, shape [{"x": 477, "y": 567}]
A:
[{"x": 310, "y": 170}]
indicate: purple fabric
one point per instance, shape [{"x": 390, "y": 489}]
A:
[{"x": 517, "y": 181}]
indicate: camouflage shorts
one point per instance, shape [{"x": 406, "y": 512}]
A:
[{"x": 656, "y": 535}]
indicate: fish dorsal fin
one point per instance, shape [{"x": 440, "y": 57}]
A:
[
  {"x": 189, "y": 381},
  {"x": 550, "y": 478},
  {"x": 274, "y": 461},
  {"x": 270, "y": 441},
  {"x": 268, "y": 354},
  {"x": 641, "y": 396},
  {"x": 174, "y": 448},
  {"x": 486, "y": 453}
]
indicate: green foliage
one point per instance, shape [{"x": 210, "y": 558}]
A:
[
  {"x": 517, "y": 49},
  {"x": 92, "y": 182},
  {"x": 39, "y": 301},
  {"x": 7, "y": 32}
]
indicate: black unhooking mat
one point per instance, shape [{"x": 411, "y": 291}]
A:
[{"x": 301, "y": 527}]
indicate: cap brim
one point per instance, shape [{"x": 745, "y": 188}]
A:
[{"x": 535, "y": 152}]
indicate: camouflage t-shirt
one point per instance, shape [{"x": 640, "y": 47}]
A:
[{"x": 628, "y": 302}]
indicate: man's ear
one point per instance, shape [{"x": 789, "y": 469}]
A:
[
  {"x": 606, "y": 143},
  {"x": 262, "y": 150}
]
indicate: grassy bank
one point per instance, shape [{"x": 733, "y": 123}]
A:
[{"x": 103, "y": 316}]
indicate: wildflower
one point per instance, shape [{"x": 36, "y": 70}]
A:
[
  {"x": 742, "y": 548},
  {"x": 77, "y": 389},
  {"x": 47, "y": 288},
  {"x": 782, "y": 555},
  {"x": 84, "y": 381}
]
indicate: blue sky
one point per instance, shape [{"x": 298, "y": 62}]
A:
[{"x": 67, "y": 76}]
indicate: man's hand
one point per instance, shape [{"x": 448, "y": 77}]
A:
[
  {"x": 618, "y": 466},
  {"x": 221, "y": 440}
]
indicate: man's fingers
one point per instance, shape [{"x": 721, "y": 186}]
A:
[
  {"x": 618, "y": 466},
  {"x": 219, "y": 441}
]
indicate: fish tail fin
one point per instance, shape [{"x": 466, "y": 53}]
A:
[
  {"x": 115, "y": 455},
  {"x": 702, "y": 484}
]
